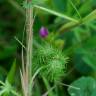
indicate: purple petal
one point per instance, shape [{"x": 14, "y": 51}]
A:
[{"x": 43, "y": 32}]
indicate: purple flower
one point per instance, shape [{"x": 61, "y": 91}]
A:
[{"x": 43, "y": 32}]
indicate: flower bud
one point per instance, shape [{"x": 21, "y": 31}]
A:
[{"x": 43, "y": 32}]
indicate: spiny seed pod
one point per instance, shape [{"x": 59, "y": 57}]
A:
[
  {"x": 57, "y": 70},
  {"x": 56, "y": 67},
  {"x": 54, "y": 60}
]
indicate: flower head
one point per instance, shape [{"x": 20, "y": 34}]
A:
[{"x": 43, "y": 32}]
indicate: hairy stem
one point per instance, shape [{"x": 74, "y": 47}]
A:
[{"x": 29, "y": 43}]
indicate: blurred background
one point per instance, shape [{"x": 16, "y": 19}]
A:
[{"x": 78, "y": 42}]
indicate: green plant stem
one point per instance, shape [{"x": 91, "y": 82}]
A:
[
  {"x": 47, "y": 86},
  {"x": 68, "y": 26},
  {"x": 29, "y": 43}
]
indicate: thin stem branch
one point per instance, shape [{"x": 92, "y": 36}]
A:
[
  {"x": 70, "y": 86},
  {"x": 29, "y": 43}
]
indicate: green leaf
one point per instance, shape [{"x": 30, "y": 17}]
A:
[
  {"x": 86, "y": 85},
  {"x": 10, "y": 77},
  {"x": 89, "y": 52},
  {"x": 90, "y": 17},
  {"x": 85, "y": 7},
  {"x": 58, "y": 5},
  {"x": 90, "y": 60}
]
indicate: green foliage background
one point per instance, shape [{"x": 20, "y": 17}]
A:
[{"x": 72, "y": 31}]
